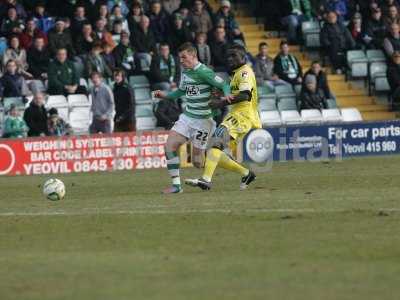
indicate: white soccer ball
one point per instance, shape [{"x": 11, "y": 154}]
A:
[{"x": 54, "y": 189}]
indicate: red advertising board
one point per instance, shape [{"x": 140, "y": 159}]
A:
[{"x": 54, "y": 155}]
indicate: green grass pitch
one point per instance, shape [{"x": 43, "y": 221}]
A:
[{"x": 302, "y": 231}]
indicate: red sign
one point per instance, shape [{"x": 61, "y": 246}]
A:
[{"x": 54, "y": 155}]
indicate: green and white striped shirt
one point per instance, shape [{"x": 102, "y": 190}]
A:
[{"x": 196, "y": 85}]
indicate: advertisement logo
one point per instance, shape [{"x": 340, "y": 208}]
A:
[
  {"x": 260, "y": 146},
  {"x": 7, "y": 159}
]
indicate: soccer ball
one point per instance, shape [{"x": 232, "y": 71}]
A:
[{"x": 54, "y": 189}]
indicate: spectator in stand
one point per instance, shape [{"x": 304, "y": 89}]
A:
[
  {"x": 124, "y": 119},
  {"x": 124, "y": 55},
  {"x": 78, "y": 20},
  {"x": 375, "y": 30},
  {"x": 117, "y": 16},
  {"x": 38, "y": 59},
  {"x": 18, "y": 55},
  {"x": 167, "y": 113},
  {"x": 103, "y": 12},
  {"x": 294, "y": 13},
  {"x": 121, "y": 3},
  {"x": 311, "y": 97},
  {"x": 339, "y": 7},
  {"x": 231, "y": 25},
  {"x": 92, "y": 9},
  {"x": 116, "y": 31},
  {"x": 170, "y": 6},
  {"x": 102, "y": 34},
  {"x": 186, "y": 16},
  {"x": 336, "y": 40},
  {"x": 203, "y": 50},
  {"x": 322, "y": 79},
  {"x": 108, "y": 56},
  {"x": 102, "y": 105},
  {"x": 86, "y": 40},
  {"x": 60, "y": 38},
  {"x": 200, "y": 18},
  {"x": 179, "y": 33},
  {"x": 159, "y": 21},
  {"x": 356, "y": 30},
  {"x": 264, "y": 68},
  {"x": 144, "y": 42},
  {"x": 56, "y": 125},
  {"x": 134, "y": 16},
  {"x": 12, "y": 24},
  {"x": 393, "y": 75},
  {"x": 386, "y": 4},
  {"x": 219, "y": 47},
  {"x": 393, "y": 16},
  {"x": 164, "y": 70},
  {"x": 12, "y": 83},
  {"x": 63, "y": 78},
  {"x": 95, "y": 62},
  {"x": 42, "y": 20},
  {"x": 392, "y": 42},
  {"x": 31, "y": 32},
  {"x": 286, "y": 66},
  {"x": 14, "y": 124},
  {"x": 6, "y": 4},
  {"x": 35, "y": 116}
]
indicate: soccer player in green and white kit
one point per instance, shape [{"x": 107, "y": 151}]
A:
[{"x": 195, "y": 123}]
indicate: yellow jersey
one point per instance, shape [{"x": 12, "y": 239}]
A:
[{"x": 244, "y": 80}]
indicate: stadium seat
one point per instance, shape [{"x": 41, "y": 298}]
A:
[
  {"x": 284, "y": 91},
  {"x": 83, "y": 82},
  {"x": 264, "y": 91},
  {"x": 331, "y": 115},
  {"x": 287, "y": 104},
  {"x": 270, "y": 118},
  {"x": 291, "y": 117},
  {"x": 145, "y": 123},
  {"x": 311, "y": 116},
  {"x": 139, "y": 81},
  {"x": 17, "y": 101},
  {"x": 331, "y": 103},
  {"x": 358, "y": 63},
  {"x": 79, "y": 68},
  {"x": 142, "y": 95},
  {"x": 37, "y": 86},
  {"x": 377, "y": 77},
  {"x": 144, "y": 110},
  {"x": 60, "y": 103},
  {"x": 311, "y": 34},
  {"x": 79, "y": 119},
  {"x": 266, "y": 104},
  {"x": 350, "y": 115},
  {"x": 376, "y": 56},
  {"x": 78, "y": 100}
]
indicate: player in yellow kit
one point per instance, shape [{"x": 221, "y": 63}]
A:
[{"x": 242, "y": 118}]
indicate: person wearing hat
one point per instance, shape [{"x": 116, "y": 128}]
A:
[
  {"x": 59, "y": 38},
  {"x": 14, "y": 125},
  {"x": 393, "y": 76},
  {"x": 56, "y": 125},
  {"x": 311, "y": 97}
]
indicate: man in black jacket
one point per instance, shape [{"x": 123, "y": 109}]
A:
[
  {"x": 144, "y": 41},
  {"x": 287, "y": 67},
  {"x": 167, "y": 113},
  {"x": 219, "y": 48},
  {"x": 164, "y": 70},
  {"x": 311, "y": 96},
  {"x": 35, "y": 116},
  {"x": 124, "y": 55},
  {"x": 393, "y": 75},
  {"x": 375, "y": 30},
  {"x": 336, "y": 39},
  {"x": 322, "y": 80},
  {"x": 38, "y": 59},
  {"x": 124, "y": 119}
]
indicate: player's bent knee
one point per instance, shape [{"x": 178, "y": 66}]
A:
[{"x": 198, "y": 162}]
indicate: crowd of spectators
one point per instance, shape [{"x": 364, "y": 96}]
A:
[{"x": 57, "y": 43}]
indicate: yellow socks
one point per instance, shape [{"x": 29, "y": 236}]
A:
[{"x": 216, "y": 157}]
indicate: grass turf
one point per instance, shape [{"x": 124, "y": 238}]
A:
[{"x": 303, "y": 231}]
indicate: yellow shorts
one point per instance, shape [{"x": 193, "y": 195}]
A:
[{"x": 237, "y": 124}]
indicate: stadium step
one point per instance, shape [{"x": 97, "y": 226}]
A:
[
  {"x": 350, "y": 101},
  {"x": 370, "y": 108},
  {"x": 378, "y": 115},
  {"x": 246, "y": 20},
  {"x": 348, "y": 92}
]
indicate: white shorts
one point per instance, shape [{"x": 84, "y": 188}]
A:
[{"x": 198, "y": 131}]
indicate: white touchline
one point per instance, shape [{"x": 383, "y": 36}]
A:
[{"x": 94, "y": 211}]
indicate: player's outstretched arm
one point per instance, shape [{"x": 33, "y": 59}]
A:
[
  {"x": 230, "y": 99},
  {"x": 170, "y": 96}
]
